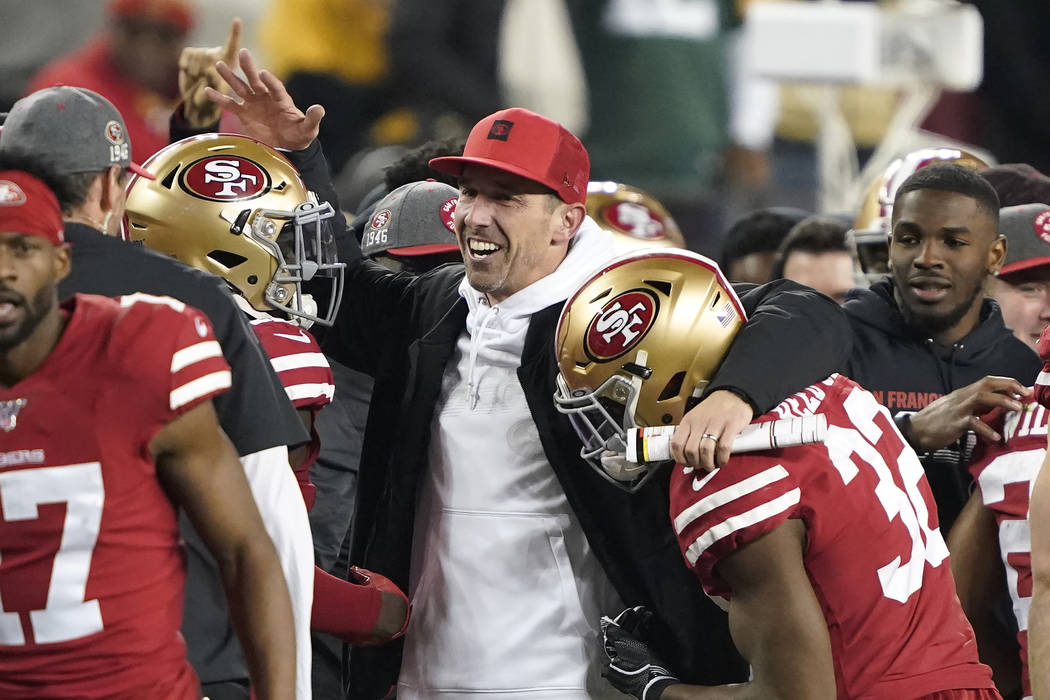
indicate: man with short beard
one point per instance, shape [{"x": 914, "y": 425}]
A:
[
  {"x": 928, "y": 344},
  {"x": 77, "y": 142},
  {"x": 107, "y": 432}
]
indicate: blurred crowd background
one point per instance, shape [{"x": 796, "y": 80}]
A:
[{"x": 654, "y": 87}]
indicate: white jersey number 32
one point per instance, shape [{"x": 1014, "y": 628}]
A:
[
  {"x": 66, "y": 615},
  {"x": 899, "y": 578}
]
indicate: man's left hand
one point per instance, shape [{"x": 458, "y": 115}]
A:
[
  {"x": 704, "y": 438},
  {"x": 627, "y": 662},
  {"x": 265, "y": 109},
  {"x": 946, "y": 419}
]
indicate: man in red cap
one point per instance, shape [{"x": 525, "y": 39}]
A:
[
  {"x": 134, "y": 63},
  {"x": 106, "y": 430},
  {"x": 472, "y": 489}
]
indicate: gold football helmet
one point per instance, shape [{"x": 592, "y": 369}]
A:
[
  {"x": 637, "y": 344},
  {"x": 235, "y": 207},
  {"x": 637, "y": 219},
  {"x": 868, "y": 240}
]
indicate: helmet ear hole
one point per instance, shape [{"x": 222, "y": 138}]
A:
[
  {"x": 226, "y": 258},
  {"x": 661, "y": 286},
  {"x": 673, "y": 387},
  {"x": 169, "y": 179}
]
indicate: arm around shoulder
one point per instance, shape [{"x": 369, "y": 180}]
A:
[{"x": 794, "y": 337}]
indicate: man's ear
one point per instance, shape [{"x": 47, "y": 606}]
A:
[
  {"x": 62, "y": 261},
  {"x": 997, "y": 254},
  {"x": 112, "y": 189},
  {"x": 568, "y": 219}
]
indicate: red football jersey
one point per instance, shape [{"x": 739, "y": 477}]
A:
[
  {"x": 298, "y": 361},
  {"x": 874, "y": 553},
  {"x": 91, "y": 571},
  {"x": 1006, "y": 473},
  {"x": 307, "y": 379}
]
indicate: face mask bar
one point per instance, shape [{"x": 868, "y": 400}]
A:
[
  {"x": 598, "y": 429},
  {"x": 311, "y": 256},
  {"x": 871, "y": 250}
]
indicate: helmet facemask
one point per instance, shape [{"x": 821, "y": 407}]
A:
[
  {"x": 305, "y": 251},
  {"x": 602, "y": 419},
  {"x": 637, "y": 345}
]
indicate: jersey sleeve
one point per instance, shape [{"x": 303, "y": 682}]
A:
[
  {"x": 298, "y": 362},
  {"x": 984, "y": 450},
  {"x": 715, "y": 515},
  {"x": 171, "y": 348}
]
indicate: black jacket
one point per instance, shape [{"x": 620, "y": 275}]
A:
[
  {"x": 906, "y": 371},
  {"x": 403, "y": 330}
]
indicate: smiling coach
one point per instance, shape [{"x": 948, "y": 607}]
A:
[{"x": 472, "y": 490}]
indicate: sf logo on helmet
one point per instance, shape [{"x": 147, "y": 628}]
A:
[
  {"x": 225, "y": 179},
  {"x": 622, "y": 322},
  {"x": 635, "y": 219}
]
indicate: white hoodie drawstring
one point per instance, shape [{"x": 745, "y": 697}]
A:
[{"x": 475, "y": 342}]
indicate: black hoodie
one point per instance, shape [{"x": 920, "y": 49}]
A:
[{"x": 907, "y": 370}]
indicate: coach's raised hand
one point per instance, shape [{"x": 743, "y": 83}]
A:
[{"x": 265, "y": 109}]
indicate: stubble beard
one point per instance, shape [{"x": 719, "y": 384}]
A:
[
  {"x": 935, "y": 323},
  {"x": 36, "y": 311}
]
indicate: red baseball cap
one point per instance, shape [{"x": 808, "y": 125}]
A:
[
  {"x": 28, "y": 206},
  {"x": 526, "y": 144}
]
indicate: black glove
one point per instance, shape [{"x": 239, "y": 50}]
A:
[{"x": 627, "y": 662}]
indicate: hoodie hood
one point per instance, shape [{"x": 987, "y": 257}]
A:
[
  {"x": 877, "y": 308},
  {"x": 906, "y": 370}
]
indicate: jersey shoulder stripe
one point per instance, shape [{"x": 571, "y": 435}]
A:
[{"x": 200, "y": 388}]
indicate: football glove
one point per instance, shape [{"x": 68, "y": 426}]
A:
[
  {"x": 1042, "y": 382},
  {"x": 389, "y": 595},
  {"x": 627, "y": 662}
]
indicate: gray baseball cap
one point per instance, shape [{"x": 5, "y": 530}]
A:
[
  {"x": 1027, "y": 231},
  {"x": 71, "y": 129},
  {"x": 415, "y": 219}
]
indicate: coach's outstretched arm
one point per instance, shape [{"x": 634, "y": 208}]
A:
[{"x": 201, "y": 473}]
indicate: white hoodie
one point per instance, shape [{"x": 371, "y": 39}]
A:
[{"x": 506, "y": 591}]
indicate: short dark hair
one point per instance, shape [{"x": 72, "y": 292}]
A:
[
  {"x": 814, "y": 234},
  {"x": 760, "y": 231},
  {"x": 413, "y": 166},
  {"x": 70, "y": 188},
  {"x": 949, "y": 177}
]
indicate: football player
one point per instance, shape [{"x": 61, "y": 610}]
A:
[
  {"x": 827, "y": 556},
  {"x": 106, "y": 429},
  {"x": 237, "y": 208},
  {"x": 993, "y": 541}
]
